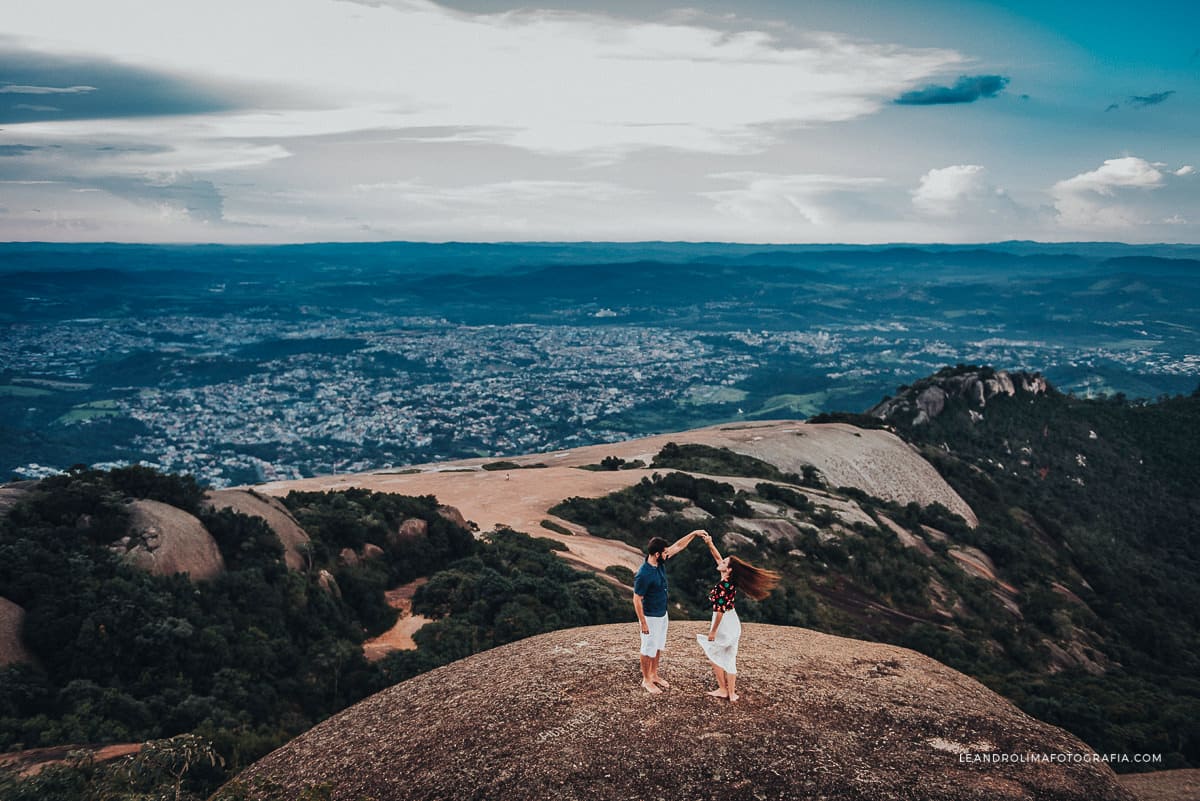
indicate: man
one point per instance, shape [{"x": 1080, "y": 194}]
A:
[{"x": 650, "y": 603}]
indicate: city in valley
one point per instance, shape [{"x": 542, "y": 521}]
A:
[{"x": 249, "y": 372}]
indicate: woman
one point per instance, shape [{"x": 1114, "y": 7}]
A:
[{"x": 721, "y": 643}]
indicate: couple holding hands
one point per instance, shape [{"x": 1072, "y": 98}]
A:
[{"x": 720, "y": 644}]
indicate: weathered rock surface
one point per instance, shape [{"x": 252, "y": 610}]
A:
[
  {"x": 13, "y": 493},
  {"x": 272, "y": 510},
  {"x": 410, "y": 529},
  {"x": 927, "y": 398},
  {"x": 1164, "y": 785},
  {"x": 12, "y": 649},
  {"x": 820, "y": 717},
  {"x": 164, "y": 541}
]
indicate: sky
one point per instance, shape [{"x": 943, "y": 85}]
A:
[{"x": 772, "y": 121}]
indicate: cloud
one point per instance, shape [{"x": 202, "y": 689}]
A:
[
  {"x": 1107, "y": 196},
  {"x": 92, "y": 88},
  {"x": 1150, "y": 99},
  {"x": 173, "y": 196},
  {"x": 17, "y": 150},
  {"x": 1186, "y": 169},
  {"x": 774, "y": 200},
  {"x": 616, "y": 84},
  {"x": 942, "y": 189},
  {"x": 967, "y": 89},
  {"x": 16, "y": 89}
]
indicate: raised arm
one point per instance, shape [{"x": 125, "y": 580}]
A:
[
  {"x": 712, "y": 546},
  {"x": 682, "y": 543}
]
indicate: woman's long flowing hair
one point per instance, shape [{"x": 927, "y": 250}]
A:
[{"x": 754, "y": 581}]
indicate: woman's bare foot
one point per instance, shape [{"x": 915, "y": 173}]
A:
[
  {"x": 659, "y": 680},
  {"x": 649, "y": 687},
  {"x": 733, "y": 699},
  {"x": 717, "y": 693}
]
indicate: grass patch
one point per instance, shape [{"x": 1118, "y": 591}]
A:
[
  {"x": 90, "y": 411},
  {"x": 11, "y": 391},
  {"x": 711, "y": 395}
]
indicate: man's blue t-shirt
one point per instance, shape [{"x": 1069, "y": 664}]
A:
[{"x": 651, "y": 583}]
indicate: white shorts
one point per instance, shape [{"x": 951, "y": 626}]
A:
[{"x": 656, "y": 640}]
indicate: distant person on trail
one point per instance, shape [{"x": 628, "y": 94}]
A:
[
  {"x": 650, "y": 603},
  {"x": 720, "y": 645}
]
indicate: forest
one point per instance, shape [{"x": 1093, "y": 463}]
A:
[{"x": 216, "y": 674}]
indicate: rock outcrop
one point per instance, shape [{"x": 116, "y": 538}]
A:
[
  {"x": 411, "y": 528},
  {"x": 291, "y": 535},
  {"x": 12, "y": 649},
  {"x": 876, "y": 461},
  {"x": 561, "y": 716},
  {"x": 164, "y": 541},
  {"x": 12, "y": 493},
  {"x": 927, "y": 398}
]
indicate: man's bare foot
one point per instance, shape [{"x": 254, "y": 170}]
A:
[
  {"x": 659, "y": 680},
  {"x": 717, "y": 693},
  {"x": 733, "y": 699},
  {"x": 649, "y": 687}
]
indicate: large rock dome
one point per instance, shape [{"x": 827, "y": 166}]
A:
[{"x": 561, "y": 716}]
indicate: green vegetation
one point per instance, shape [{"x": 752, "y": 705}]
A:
[
  {"x": 14, "y": 391},
  {"x": 1101, "y": 496},
  {"x": 557, "y": 528},
  {"x": 250, "y": 659},
  {"x": 614, "y": 463},
  {"x": 707, "y": 395},
  {"x": 621, "y": 574},
  {"x": 724, "y": 462}
]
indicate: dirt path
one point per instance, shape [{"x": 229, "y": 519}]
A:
[
  {"x": 35, "y": 760},
  {"x": 399, "y": 636}
]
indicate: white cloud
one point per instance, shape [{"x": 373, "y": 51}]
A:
[
  {"x": 1101, "y": 197},
  {"x": 18, "y": 89},
  {"x": 781, "y": 200},
  {"x": 1186, "y": 169},
  {"x": 943, "y": 189},
  {"x": 546, "y": 81}
]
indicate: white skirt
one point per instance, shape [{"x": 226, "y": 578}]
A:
[{"x": 722, "y": 651}]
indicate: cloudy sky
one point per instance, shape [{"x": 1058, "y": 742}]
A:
[{"x": 754, "y": 121}]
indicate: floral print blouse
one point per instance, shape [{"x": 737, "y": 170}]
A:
[{"x": 722, "y": 596}]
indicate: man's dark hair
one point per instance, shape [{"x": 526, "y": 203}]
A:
[{"x": 656, "y": 545}]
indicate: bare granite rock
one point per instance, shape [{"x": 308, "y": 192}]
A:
[
  {"x": 412, "y": 528},
  {"x": 561, "y": 717},
  {"x": 927, "y": 398},
  {"x": 12, "y": 648},
  {"x": 164, "y": 541},
  {"x": 293, "y": 537}
]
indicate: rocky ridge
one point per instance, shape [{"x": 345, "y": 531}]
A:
[{"x": 927, "y": 398}]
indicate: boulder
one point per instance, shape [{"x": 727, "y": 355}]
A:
[
  {"x": 454, "y": 516},
  {"x": 411, "y": 529},
  {"x": 12, "y": 648},
  {"x": 164, "y": 540},
  {"x": 293, "y": 537},
  {"x": 327, "y": 582}
]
